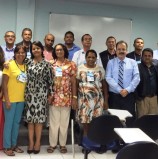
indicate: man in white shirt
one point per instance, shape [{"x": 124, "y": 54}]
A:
[
  {"x": 8, "y": 49},
  {"x": 79, "y": 56},
  {"x": 155, "y": 54}
]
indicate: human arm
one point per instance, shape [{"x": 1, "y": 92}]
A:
[
  {"x": 49, "y": 75},
  {"x": 111, "y": 76},
  {"x": 75, "y": 57},
  {"x": 74, "y": 86},
  {"x": 105, "y": 93},
  {"x": 5, "y": 90},
  {"x": 135, "y": 79}
]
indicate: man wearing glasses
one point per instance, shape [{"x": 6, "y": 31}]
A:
[{"x": 8, "y": 49}]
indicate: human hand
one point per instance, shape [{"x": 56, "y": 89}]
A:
[{"x": 124, "y": 92}]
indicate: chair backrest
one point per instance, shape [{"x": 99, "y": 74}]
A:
[
  {"x": 101, "y": 129},
  {"x": 148, "y": 124},
  {"x": 139, "y": 150}
]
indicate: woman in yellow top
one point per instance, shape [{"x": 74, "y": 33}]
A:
[{"x": 14, "y": 81}]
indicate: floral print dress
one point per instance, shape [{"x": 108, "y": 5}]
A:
[
  {"x": 90, "y": 93},
  {"x": 62, "y": 88}
]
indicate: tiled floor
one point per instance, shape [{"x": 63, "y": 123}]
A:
[{"x": 57, "y": 155}]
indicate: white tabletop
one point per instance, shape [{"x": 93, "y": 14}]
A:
[
  {"x": 122, "y": 114},
  {"x": 130, "y": 135}
]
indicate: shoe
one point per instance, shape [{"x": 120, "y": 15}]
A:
[
  {"x": 30, "y": 151},
  {"x": 63, "y": 149},
  {"x": 36, "y": 151},
  {"x": 9, "y": 152},
  {"x": 17, "y": 149},
  {"x": 51, "y": 149}
]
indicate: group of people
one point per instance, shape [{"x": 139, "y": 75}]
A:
[{"x": 46, "y": 82}]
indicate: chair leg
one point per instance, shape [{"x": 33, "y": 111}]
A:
[{"x": 86, "y": 152}]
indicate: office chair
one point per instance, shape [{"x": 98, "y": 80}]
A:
[
  {"x": 148, "y": 124},
  {"x": 139, "y": 150},
  {"x": 101, "y": 132}
]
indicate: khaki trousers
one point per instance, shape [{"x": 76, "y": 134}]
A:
[
  {"x": 148, "y": 105},
  {"x": 59, "y": 121}
]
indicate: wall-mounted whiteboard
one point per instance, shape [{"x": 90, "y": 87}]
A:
[{"x": 98, "y": 27}]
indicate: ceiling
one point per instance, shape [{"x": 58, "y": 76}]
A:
[{"x": 129, "y": 3}]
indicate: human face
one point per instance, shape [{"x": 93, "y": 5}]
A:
[
  {"x": 10, "y": 38},
  {"x": 111, "y": 44},
  {"x": 49, "y": 41},
  {"x": 37, "y": 51},
  {"x": 147, "y": 57},
  {"x": 91, "y": 59},
  {"x": 27, "y": 35},
  {"x": 69, "y": 39},
  {"x": 59, "y": 51},
  {"x": 87, "y": 41},
  {"x": 139, "y": 44},
  {"x": 121, "y": 51},
  {"x": 20, "y": 55}
]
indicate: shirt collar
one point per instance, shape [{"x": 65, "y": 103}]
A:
[
  {"x": 10, "y": 50},
  {"x": 124, "y": 61}
]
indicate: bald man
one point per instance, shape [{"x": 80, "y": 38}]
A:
[{"x": 48, "y": 47}]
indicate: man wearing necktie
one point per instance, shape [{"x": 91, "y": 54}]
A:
[{"x": 122, "y": 75}]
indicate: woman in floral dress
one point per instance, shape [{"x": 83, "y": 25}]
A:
[
  {"x": 64, "y": 97},
  {"x": 92, "y": 90}
]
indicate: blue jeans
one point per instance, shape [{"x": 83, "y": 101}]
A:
[{"x": 12, "y": 122}]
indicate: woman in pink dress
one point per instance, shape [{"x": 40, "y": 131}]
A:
[{"x": 1, "y": 108}]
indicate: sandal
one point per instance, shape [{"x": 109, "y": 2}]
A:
[
  {"x": 51, "y": 149},
  {"x": 9, "y": 152},
  {"x": 17, "y": 149},
  {"x": 63, "y": 149}
]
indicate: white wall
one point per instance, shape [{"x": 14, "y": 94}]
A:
[{"x": 145, "y": 21}]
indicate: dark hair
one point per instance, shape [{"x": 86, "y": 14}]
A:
[
  {"x": 111, "y": 37},
  {"x": 66, "y": 53},
  {"x": 91, "y": 50},
  {"x": 137, "y": 39},
  {"x": 148, "y": 50},
  {"x": 82, "y": 38},
  {"x": 1, "y": 58},
  {"x": 121, "y": 42},
  {"x": 26, "y": 29},
  {"x": 17, "y": 48},
  {"x": 39, "y": 44},
  {"x": 69, "y": 32}
]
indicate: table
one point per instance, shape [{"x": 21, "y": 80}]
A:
[
  {"x": 122, "y": 114},
  {"x": 130, "y": 135}
]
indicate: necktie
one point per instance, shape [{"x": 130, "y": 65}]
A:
[{"x": 120, "y": 74}]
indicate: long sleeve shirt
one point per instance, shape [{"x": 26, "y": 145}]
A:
[{"x": 131, "y": 77}]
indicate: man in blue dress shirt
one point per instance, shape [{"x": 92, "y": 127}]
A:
[
  {"x": 121, "y": 96},
  {"x": 69, "y": 43}
]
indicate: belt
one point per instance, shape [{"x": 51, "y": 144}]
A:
[{"x": 150, "y": 96}]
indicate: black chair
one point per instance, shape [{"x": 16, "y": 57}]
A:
[
  {"x": 148, "y": 124},
  {"x": 101, "y": 132},
  {"x": 139, "y": 150}
]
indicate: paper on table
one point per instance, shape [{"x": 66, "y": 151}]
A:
[
  {"x": 122, "y": 114},
  {"x": 130, "y": 135}
]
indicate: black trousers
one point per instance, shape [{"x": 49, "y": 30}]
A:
[{"x": 116, "y": 101}]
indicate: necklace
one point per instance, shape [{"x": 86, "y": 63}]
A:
[{"x": 19, "y": 67}]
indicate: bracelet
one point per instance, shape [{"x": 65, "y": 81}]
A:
[{"x": 75, "y": 97}]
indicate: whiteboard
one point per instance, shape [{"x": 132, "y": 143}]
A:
[{"x": 98, "y": 27}]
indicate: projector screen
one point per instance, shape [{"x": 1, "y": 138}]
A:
[{"x": 98, "y": 27}]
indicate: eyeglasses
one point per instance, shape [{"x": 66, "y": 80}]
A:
[{"x": 8, "y": 36}]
